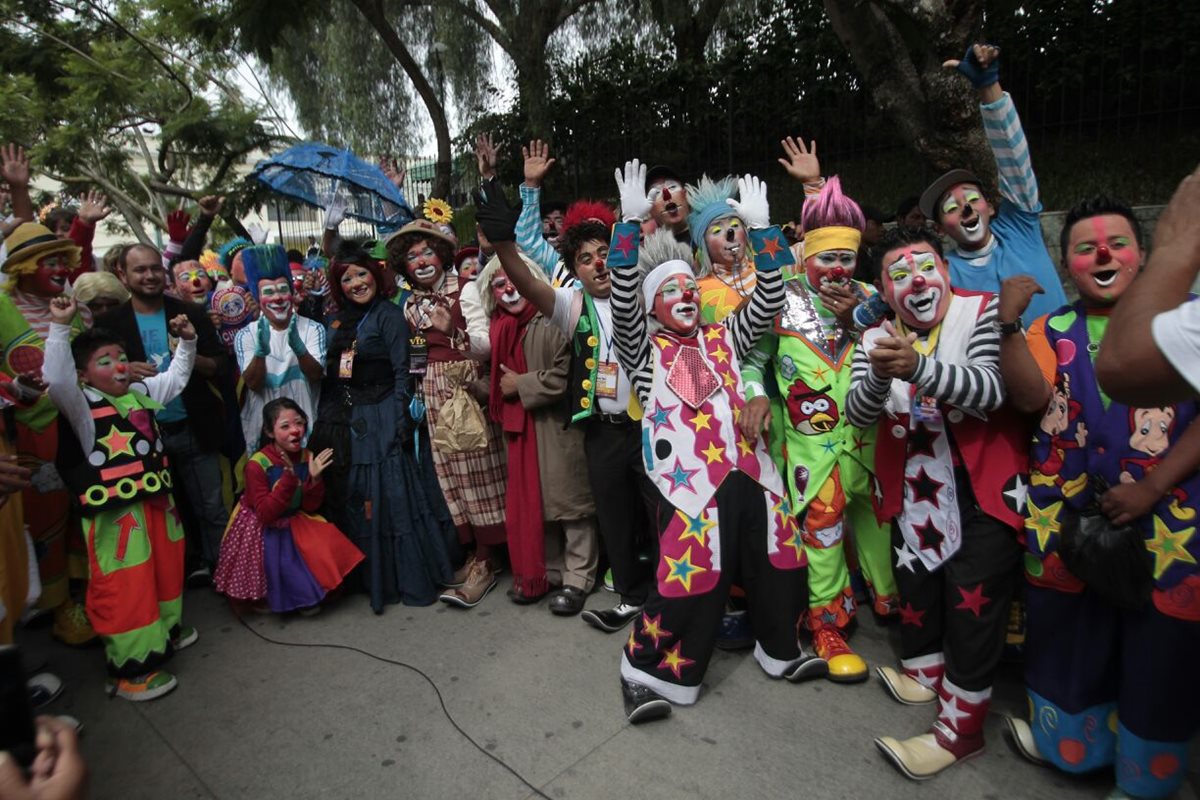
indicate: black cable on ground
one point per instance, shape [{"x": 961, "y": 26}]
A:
[{"x": 411, "y": 668}]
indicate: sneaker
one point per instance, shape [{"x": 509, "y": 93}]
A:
[
  {"x": 845, "y": 666},
  {"x": 735, "y": 632},
  {"x": 808, "y": 667},
  {"x": 150, "y": 686},
  {"x": 643, "y": 704},
  {"x": 460, "y": 574},
  {"x": 43, "y": 688},
  {"x": 480, "y": 580},
  {"x": 185, "y": 636},
  {"x": 611, "y": 620},
  {"x": 71, "y": 625},
  {"x": 608, "y": 581},
  {"x": 199, "y": 577}
]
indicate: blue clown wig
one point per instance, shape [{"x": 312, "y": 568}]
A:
[
  {"x": 231, "y": 249},
  {"x": 707, "y": 199},
  {"x": 264, "y": 262}
]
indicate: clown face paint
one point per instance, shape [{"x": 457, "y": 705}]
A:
[
  {"x": 830, "y": 267},
  {"x": 1103, "y": 257},
  {"x": 965, "y": 215},
  {"x": 916, "y": 284},
  {"x": 275, "y": 298},
  {"x": 288, "y": 431},
  {"x": 506, "y": 295},
  {"x": 108, "y": 370},
  {"x": 552, "y": 228},
  {"x": 591, "y": 267},
  {"x": 469, "y": 268},
  {"x": 220, "y": 278},
  {"x": 192, "y": 283},
  {"x": 668, "y": 203},
  {"x": 50, "y": 277},
  {"x": 675, "y": 304},
  {"x": 726, "y": 242},
  {"x": 424, "y": 265}
]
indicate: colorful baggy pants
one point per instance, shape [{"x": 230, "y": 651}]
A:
[
  {"x": 670, "y": 645},
  {"x": 1108, "y": 686},
  {"x": 135, "y": 594},
  {"x": 841, "y": 507}
]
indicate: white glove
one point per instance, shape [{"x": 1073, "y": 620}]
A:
[
  {"x": 751, "y": 204},
  {"x": 258, "y": 234},
  {"x": 631, "y": 186},
  {"x": 335, "y": 211}
]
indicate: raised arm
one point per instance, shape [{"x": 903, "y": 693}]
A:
[
  {"x": 58, "y": 371},
  {"x": 498, "y": 219},
  {"x": 166, "y": 386},
  {"x": 629, "y": 319},
  {"x": 771, "y": 253},
  {"x": 1001, "y": 125},
  {"x": 529, "y": 225}
]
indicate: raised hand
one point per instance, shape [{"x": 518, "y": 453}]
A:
[
  {"x": 181, "y": 326},
  {"x": 751, "y": 204},
  {"x": 495, "y": 215},
  {"x": 801, "y": 162},
  {"x": 142, "y": 369},
  {"x": 93, "y": 207},
  {"x": 1015, "y": 294},
  {"x": 211, "y": 205},
  {"x": 537, "y": 162},
  {"x": 14, "y": 165},
  {"x": 62, "y": 310},
  {"x": 258, "y": 233},
  {"x": 1178, "y": 228},
  {"x": 32, "y": 379},
  {"x": 394, "y": 170},
  {"x": 320, "y": 462},
  {"x": 336, "y": 206},
  {"x": 7, "y": 227},
  {"x": 631, "y": 187},
  {"x": 177, "y": 225},
  {"x": 980, "y": 64},
  {"x": 485, "y": 156}
]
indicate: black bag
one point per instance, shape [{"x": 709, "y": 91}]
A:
[{"x": 1112, "y": 561}]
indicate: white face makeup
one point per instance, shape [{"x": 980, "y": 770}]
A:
[
  {"x": 916, "y": 287},
  {"x": 275, "y": 298},
  {"x": 830, "y": 267},
  {"x": 506, "y": 295},
  {"x": 965, "y": 215},
  {"x": 675, "y": 304},
  {"x": 726, "y": 241}
]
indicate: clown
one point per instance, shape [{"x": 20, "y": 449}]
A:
[
  {"x": 193, "y": 284},
  {"x": 550, "y": 510},
  {"x": 466, "y": 263},
  {"x": 38, "y": 266},
  {"x": 474, "y": 482},
  {"x": 990, "y": 244},
  {"x": 231, "y": 306},
  {"x": 670, "y": 208},
  {"x": 723, "y": 501},
  {"x": 282, "y": 354},
  {"x": 719, "y": 237},
  {"x": 1108, "y": 686},
  {"x": 949, "y": 464},
  {"x": 828, "y": 463}
]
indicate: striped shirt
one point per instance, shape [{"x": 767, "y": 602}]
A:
[
  {"x": 975, "y": 386},
  {"x": 529, "y": 231},
  {"x": 1005, "y": 136}
]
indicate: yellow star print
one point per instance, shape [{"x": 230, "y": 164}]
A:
[
  {"x": 712, "y": 334},
  {"x": 697, "y": 527},
  {"x": 730, "y": 381},
  {"x": 712, "y": 453},
  {"x": 683, "y": 570},
  {"x": 652, "y": 627},
  {"x": 721, "y": 354},
  {"x": 117, "y": 443},
  {"x": 700, "y": 422},
  {"x": 1169, "y": 547},
  {"x": 675, "y": 661},
  {"x": 1043, "y": 522},
  {"x": 745, "y": 446}
]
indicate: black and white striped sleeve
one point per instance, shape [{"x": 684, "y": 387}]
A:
[
  {"x": 976, "y": 385},
  {"x": 868, "y": 391},
  {"x": 756, "y": 317},
  {"x": 630, "y": 335}
]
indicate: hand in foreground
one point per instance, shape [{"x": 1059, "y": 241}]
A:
[
  {"x": 58, "y": 771},
  {"x": 631, "y": 186},
  {"x": 181, "y": 326},
  {"x": 1178, "y": 226},
  {"x": 62, "y": 310},
  {"x": 755, "y": 418},
  {"x": 893, "y": 356}
]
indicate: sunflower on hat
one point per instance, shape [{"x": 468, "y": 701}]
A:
[
  {"x": 28, "y": 244},
  {"x": 438, "y": 211}
]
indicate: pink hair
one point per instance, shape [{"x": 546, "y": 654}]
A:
[{"x": 831, "y": 207}]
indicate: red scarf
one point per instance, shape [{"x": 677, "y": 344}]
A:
[{"x": 523, "y": 503}]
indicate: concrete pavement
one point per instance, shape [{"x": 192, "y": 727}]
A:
[{"x": 252, "y": 719}]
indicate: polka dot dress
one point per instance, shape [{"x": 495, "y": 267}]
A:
[{"x": 240, "y": 574}]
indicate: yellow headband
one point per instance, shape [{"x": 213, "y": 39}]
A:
[{"x": 833, "y": 237}]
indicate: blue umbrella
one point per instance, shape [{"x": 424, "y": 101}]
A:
[{"x": 313, "y": 173}]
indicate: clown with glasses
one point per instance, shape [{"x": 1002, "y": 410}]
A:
[{"x": 282, "y": 353}]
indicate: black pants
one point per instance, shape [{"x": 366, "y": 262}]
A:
[
  {"x": 961, "y": 608},
  {"x": 625, "y": 503},
  {"x": 671, "y": 645}
]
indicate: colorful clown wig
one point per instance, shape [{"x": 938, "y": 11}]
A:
[
  {"x": 708, "y": 201},
  {"x": 229, "y": 258},
  {"x": 831, "y": 221},
  {"x": 582, "y": 211},
  {"x": 484, "y": 281},
  {"x": 264, "y": 262}
]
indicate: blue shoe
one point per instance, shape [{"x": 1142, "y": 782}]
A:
[{"x": 735, "y": 632}]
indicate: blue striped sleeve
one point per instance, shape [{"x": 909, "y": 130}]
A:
[
  {"x": 529, "y": 231},
  {"x": 1005, "y": 136}
]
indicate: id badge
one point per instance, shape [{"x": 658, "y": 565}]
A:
[
  {"x": 606, "y": 380},
  {"x": 418, "y": 353},
  {"x": 346, "y": 364},
  {"x": 925, "y": 410}
]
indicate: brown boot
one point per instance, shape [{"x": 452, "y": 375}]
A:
[
  {"x": 460, "y": 574},
  {"x": 480, "y": 580}
]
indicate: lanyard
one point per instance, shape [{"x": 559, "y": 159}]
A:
[
  {"x": 607, "y": 337},
  {"x": 927, "y": 347}
]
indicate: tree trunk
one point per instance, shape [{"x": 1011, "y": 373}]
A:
[
  {"x": 372, "y": 11},
  {"x": 899, "y": 48}
]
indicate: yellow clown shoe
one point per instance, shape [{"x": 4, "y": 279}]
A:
[
  {"x": 71, "y": 625},
  {"x": 904, "y": 689},
  {"x": 1021, "y": 736},
  {"x": 845, "y": 666},
  {"x": 924, "y": 756}
]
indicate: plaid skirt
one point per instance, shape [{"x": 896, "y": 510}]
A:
[{"x": 473, "y": 483}]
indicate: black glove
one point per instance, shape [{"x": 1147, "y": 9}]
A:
[{"x": 494, "y": 213}]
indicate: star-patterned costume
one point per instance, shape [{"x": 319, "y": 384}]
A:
[
  {"x": 116, "y": 470},
  {"x": 724, "y": 515},
  {"x": 949, "y": 464},
  {"x": 1103, "y": 681}
]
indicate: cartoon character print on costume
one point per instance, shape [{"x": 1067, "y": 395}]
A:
[
  {"x": 812, "y": 411},
  {"x": 1066, "y": 431}
]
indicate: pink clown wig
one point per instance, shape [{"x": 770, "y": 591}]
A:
[{"x": 831, "y": 207}]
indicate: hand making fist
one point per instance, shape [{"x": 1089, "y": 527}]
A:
[
  {"x": 62, "y": 310},
  {"x": 893, "y": 356},
  {"x": 182, "y": 327}
]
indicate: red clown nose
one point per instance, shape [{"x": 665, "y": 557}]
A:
[
  {"x": 919, "y": 282},
  {"x": 121, "y": 368},
  {"x": 666, "y": 194},
  {"x": 838, "y": 273},
  {"x": 687, "y": 295},
  {"x": 1102, "y": 255}
]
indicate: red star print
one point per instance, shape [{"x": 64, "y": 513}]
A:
[
  {"x": 910, "y": 616},
  {"x": 771, "y": 246},
  {"x": 624, "y": 244},
  {"x": 973, "y": 600}
]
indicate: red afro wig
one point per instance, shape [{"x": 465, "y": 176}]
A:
[{"x": 582, "y": 211}]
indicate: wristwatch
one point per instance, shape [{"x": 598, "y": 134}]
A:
[{"x": 1009, "y": 328}]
